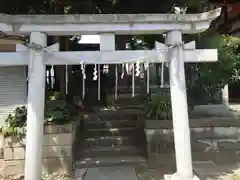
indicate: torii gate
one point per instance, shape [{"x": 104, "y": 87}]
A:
[{"x": 174, "y": 52}]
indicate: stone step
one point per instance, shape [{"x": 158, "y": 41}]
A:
[
  {"x": 140, "y": 106},
  {"x": 109, "y": 141},
  {"x": 106, "y": 161},
  {"x": 96, "y": 124},
  {"x": 112, "y": 137},
  {"x": 79, "y": 174},
  {"x": 112, "y": 116},
  {"x": 127, "y": 95},
  {"x": 111, "y": 151},
  {"x": 132, "y": 103},
  {"x": 110, "y": 132},
  {"x": 118, "y": 111}
]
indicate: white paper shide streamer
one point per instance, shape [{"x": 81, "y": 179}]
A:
[
  {"x": 106, "y": 69},
  {"x": 66, "y": 75},
  {"x": 52, "y": 76},
  {"x": 47, "y": 74},
  {"x": 95, "y": 72},
  {"x": 138, "y": 69}
]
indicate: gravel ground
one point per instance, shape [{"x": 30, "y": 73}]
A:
[
  {"x": 1, "y": 168},
  {"x": 54, "y": 176},
  {"x": 146, "y": 173},
  {"x": 142, "y": 173}
]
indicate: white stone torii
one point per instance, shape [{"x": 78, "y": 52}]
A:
[{"x": 174, "y": 54}]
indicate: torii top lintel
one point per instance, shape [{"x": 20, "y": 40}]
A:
[{"x": 107, "y": 23}]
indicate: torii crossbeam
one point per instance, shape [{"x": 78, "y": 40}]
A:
[{"x": 107, "y": 57}]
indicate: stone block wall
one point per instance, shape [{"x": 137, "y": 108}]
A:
[
  {"x": 57, "y": 151},
  {"x": 209, "y": 139}
]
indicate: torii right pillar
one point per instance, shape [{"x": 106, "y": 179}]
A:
[{"x": 181, "y": 127}]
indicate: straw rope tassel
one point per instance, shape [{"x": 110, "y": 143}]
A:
[
  {"x": 162, "y": 74},
  {"x": 83, "y": 88},
  {"x": 123, "y": 69},
  {"x": 99, "y": 83},
  {"x": 66, "y": 75},
  {"x": 116, "y": 82},
  {"x": 66, "y": 70},
  {"x": 148, "y": 80},
  {"x": 133, "y": 80},
  {"x": 83, "y": 80}
]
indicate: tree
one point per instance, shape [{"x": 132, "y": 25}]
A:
[
  {"x": 208, "y": 79},
  {"x": 94, "y": 6}
]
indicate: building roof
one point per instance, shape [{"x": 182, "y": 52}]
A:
[{"x": 228, "y": 21}]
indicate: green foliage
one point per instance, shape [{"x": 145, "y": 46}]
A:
[
  {"x": 16, "y": 122},
  {"x": 159, "y": 107},
  {"x": 229, "y": 55},
  {"x": 59, "y": 112},
  {"x": 56, "y": 112},
  {"x": 207, "y": 79},
  {"x": 95, "y": 6}
]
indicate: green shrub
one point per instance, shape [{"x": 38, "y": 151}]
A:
[
  {"x": 59, "y": 112},
  {"x": 16, "y": 122},
  {"x": 159, "y": 107},
  {"x": 1, "y": 129},
  {"x": 56, "y": 112}
]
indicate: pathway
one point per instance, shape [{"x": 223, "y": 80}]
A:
[
  {"x": 223, "y": 166},
  {"x": 1, "y": 167},
  {"x": 110, "y": 173}
]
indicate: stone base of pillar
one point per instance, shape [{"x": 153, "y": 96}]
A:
[{"x": 177, "y": 177}]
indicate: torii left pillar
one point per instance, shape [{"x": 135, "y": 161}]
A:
[{"x": 35, "y": 106}]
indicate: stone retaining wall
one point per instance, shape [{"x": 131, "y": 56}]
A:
[
  {"x": 57, "y": 151},
  {"x": 208, "y": 136}
]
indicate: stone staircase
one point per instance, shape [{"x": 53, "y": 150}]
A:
[{"x": 111, "y": 137}]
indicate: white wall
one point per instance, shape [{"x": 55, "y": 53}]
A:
[{"x": 12, "y": 89}]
